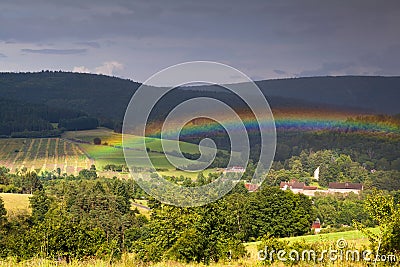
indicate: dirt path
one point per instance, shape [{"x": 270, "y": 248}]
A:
[
  {"x": 20, "y": 152},
  {"x": 56, "y": 153},
  {"x": 46, "y": 156},
  {"x": 28, "y": 153},
  {"x": 76, "y": 151},
  {"x": 140, "y": 206},
  {"x": 65, "y": 157},
  {"x": 4, "y": 160},
  {"x": 37, "y": 154}
]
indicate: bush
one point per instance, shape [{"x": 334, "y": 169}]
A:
[{"x": 97, "y": 141}]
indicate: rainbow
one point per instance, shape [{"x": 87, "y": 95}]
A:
[{"x": 290, "y": 120}]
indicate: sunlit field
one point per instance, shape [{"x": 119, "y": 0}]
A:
[
  {"x": 16, "y": 203},
  {"x": 42, "y": 154},
  {"x": 111, "y": 152}
]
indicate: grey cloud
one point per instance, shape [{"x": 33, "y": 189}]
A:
[
  {"x": 90, "y": 44},
  {"x": 280, "y": 72},
  {"x": 2, "y": 55},
  {"x": 328, "y": 69},
  {"x": 54, "y": 51},
  {"x": 297, "y": 36},
  {"x": 386, "y": 60},
  {"x": 266, "y": 22}
]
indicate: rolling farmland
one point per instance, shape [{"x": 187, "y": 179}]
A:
[
  {"x": 111, "y": 151},
  {"x": 75, "y": 151},
  {"x": 42, "y": 154}
]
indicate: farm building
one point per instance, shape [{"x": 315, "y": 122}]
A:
[
  {"x": 299, "y": 187},
  {"x": 345, "y": 188},
  {"x": 316, "y": 226},
  {"x": 251, "y": 187}
]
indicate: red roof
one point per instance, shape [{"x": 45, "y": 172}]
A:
[
  {"x": 316, "y": 225},
  {"x": 293, "y": 184},
  {"x": 251, "y": 187},
  {"x": 310, "y": 187},
  {"x": 355, "y": 186}
]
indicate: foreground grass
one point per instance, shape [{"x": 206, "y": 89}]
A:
[
  {"x": 355, "y": 237},
  {"x": 129, "y": 261}
]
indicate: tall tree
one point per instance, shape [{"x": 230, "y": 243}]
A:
[{"x": 3, "y": 212}]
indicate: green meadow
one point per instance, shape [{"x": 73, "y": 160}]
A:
[{"x": 111, "y": 152}]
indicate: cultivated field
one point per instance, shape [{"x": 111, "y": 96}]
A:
[
  {"x": 42, "y": 154},
  {"x": 75, "y": 151}
]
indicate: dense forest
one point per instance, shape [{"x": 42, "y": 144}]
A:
[
  {"x": 107, "y": 97},
  {"x": 78, "y": 217},
  {"x": 20, "y": 119}
]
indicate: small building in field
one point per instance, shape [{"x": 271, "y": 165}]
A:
[
  {"x": 251, "y": 187},
  {"x": 345, "y": 188},
  {"x": 298, "y": 187}
]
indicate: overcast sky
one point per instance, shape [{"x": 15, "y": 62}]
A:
[{"x": 264, "y": 39}]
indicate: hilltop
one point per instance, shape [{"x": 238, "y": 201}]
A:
[{"x": 107, "y": 97}]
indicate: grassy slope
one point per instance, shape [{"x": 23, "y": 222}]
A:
[
  {"x": 52, "y": 153},
  {"x": 354, "y": 238},
  {"x": 112, "y": 153},
  {"x": 131, "y": 141}
]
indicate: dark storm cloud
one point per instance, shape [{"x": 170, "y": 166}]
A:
[
  {"x": 54, "y": 51},
  {"x": 309, "y": 37},
  {"x": 37, "y": 20}
]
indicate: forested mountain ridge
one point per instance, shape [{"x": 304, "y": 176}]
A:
[
  {"x": 375, "y": 93},
  {"x": 107, "y": 97},
  {"x": 97, "y": 95}
]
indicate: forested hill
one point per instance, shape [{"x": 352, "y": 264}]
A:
[
  {"x": 98, "y": 95},
  {"x": 380, "y": 94},
  {"x": 107, "y": 97},
  {"x": 375, "y": 93}
]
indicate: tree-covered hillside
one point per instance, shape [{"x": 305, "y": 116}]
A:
[
  {"x": 17, "y": 116},
  {"x": 107, "y": 97},
  {"x": 97, "y": 95}
]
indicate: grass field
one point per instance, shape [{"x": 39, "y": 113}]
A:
[
  {"x": 16, "y": 203},
  {"x": 354, "y": 238},
  {"x": 129, "y": 260},
  {"x": 111, "y": 151},
  {"x": 142, "y": 206},
  {"x": 115, "y": 139},
  {"x": 75, "y": 151}
]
